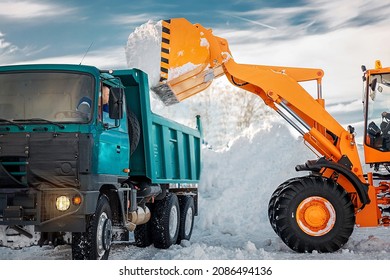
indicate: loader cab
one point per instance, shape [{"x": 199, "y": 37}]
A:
[{"x": 377, "y": 116}]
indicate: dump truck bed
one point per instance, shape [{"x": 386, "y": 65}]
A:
[{"x": 168, "y": 152}]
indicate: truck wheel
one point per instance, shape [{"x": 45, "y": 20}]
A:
[
  {"x": 95, "y": 243},
  {"x": 271, "y": 204},
  {"x": 187, "y": 214},
  {"x": 314, "y": 213},
  {"x": 143, "y": 235},
  {"x": 165, "y": 221},
  {"x": 134, "y": 131}
]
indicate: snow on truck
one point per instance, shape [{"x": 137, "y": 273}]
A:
[
  {"x": 71, "y": 164},
  {"x": 319, "y": 211}
]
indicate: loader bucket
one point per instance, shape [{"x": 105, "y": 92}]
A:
[{"x": 185, "y": 61}]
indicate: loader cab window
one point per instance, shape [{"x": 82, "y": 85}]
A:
[{"x": 378, "y": 112}]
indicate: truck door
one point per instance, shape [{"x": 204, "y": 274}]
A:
[{"x": 113, "y": 145}]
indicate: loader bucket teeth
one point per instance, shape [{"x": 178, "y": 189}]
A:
[{"x": 185, "y": 62}]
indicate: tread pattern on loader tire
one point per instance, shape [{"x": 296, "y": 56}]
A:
[
  {"x": 271, "y": 204},
  {"x": 293, "y": 194}
]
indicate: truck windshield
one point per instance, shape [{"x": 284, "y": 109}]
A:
[{"x": 51, "y": 96}]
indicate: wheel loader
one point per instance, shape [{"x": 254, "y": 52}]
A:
[{"x": 318, "y": 211}]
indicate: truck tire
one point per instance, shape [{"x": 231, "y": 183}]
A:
[
  {"x": 134, "y": 131},
  {"x": 314, "y": 213},
  {"x": 95, "y": 243},
  {"x": 187, "y": 214},
  {"x": 165, "y": 221},
  {"x": 143, "y": 235}
]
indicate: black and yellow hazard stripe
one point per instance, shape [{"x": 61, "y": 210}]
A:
[{"x": 164, "y": 66}]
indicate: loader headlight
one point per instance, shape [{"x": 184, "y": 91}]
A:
[{"x": 62, "y": 203}]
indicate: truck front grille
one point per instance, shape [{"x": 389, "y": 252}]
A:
[{"x": 16, "y": 168}]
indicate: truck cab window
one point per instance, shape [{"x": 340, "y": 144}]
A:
[{"x": 55, "y": 96}]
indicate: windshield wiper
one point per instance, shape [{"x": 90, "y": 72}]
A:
[
  {"x": 12, "y": 123},
  {"x": 40, "y": 120}
]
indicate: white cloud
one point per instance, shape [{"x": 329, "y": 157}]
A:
[
  {"x": 338, "y": 13},
  {"x": 9, "y": 52},
  {"x": 31, "y": 10},
  {"x": 315, "y": 16},
  {"x": 6, "y": 48},
  {"x": 351, "y": 34},
  {"x": 108, "y": 58},
  {"x": 339, "y": 53},
  {"x": 136, "y": 19}
]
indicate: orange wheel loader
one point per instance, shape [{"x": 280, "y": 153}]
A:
[{"x": 314, "y": 212}]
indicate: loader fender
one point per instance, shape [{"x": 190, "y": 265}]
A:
[{"x": 316, "y": 165}]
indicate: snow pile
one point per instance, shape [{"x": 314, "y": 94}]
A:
[
  {"x": 143, "y": 50},
  {"x": 236, "y": 184},
  {"x": 227, "y": 112}
]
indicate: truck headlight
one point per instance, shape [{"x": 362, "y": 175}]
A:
[{"x": 62, "y": 203}]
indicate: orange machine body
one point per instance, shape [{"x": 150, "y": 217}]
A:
[{"x": 207, "y": 57}]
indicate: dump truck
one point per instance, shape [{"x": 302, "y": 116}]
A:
[
  {"x": 72, "y": 164},
  {"x": 317, "y": 211}
]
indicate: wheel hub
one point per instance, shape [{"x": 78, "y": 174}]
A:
[
  {"x": 173, "y": 222},
  {"x": 316, "y": 216},
  {"x": 188, "y": 222},
  {"x": 104, "y": 234},
  {"x": 107, "y": 234}
]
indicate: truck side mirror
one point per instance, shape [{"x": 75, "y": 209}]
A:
[{"x": 115, "y": 103}]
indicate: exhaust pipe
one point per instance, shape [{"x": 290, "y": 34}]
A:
[{"x": 137, "y": 217}]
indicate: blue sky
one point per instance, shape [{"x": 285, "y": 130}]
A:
[{"x": 337, "y": 36}]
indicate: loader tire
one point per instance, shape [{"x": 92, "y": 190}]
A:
[
  {"x": 187, "y": 214},
  {"x": 314, "y": 214},
  {"x": 95, "y": 243},
  {"x": 134, "y": 131},
  {"x": 271, "y": 204},
  {"x": 165, "y": 221}
]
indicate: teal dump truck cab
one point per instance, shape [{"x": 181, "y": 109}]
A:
[{"x": 69, "y": 163}]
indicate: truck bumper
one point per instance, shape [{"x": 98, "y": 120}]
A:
[{"x": 42, "y": 208}]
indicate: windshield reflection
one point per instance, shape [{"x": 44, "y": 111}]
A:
[{"x": 52, "y": 96}]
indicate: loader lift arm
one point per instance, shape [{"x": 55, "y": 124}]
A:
[{"x": 191, "y": 46}]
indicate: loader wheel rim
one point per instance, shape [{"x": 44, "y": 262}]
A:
[{"x": 316, "y": 216}]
